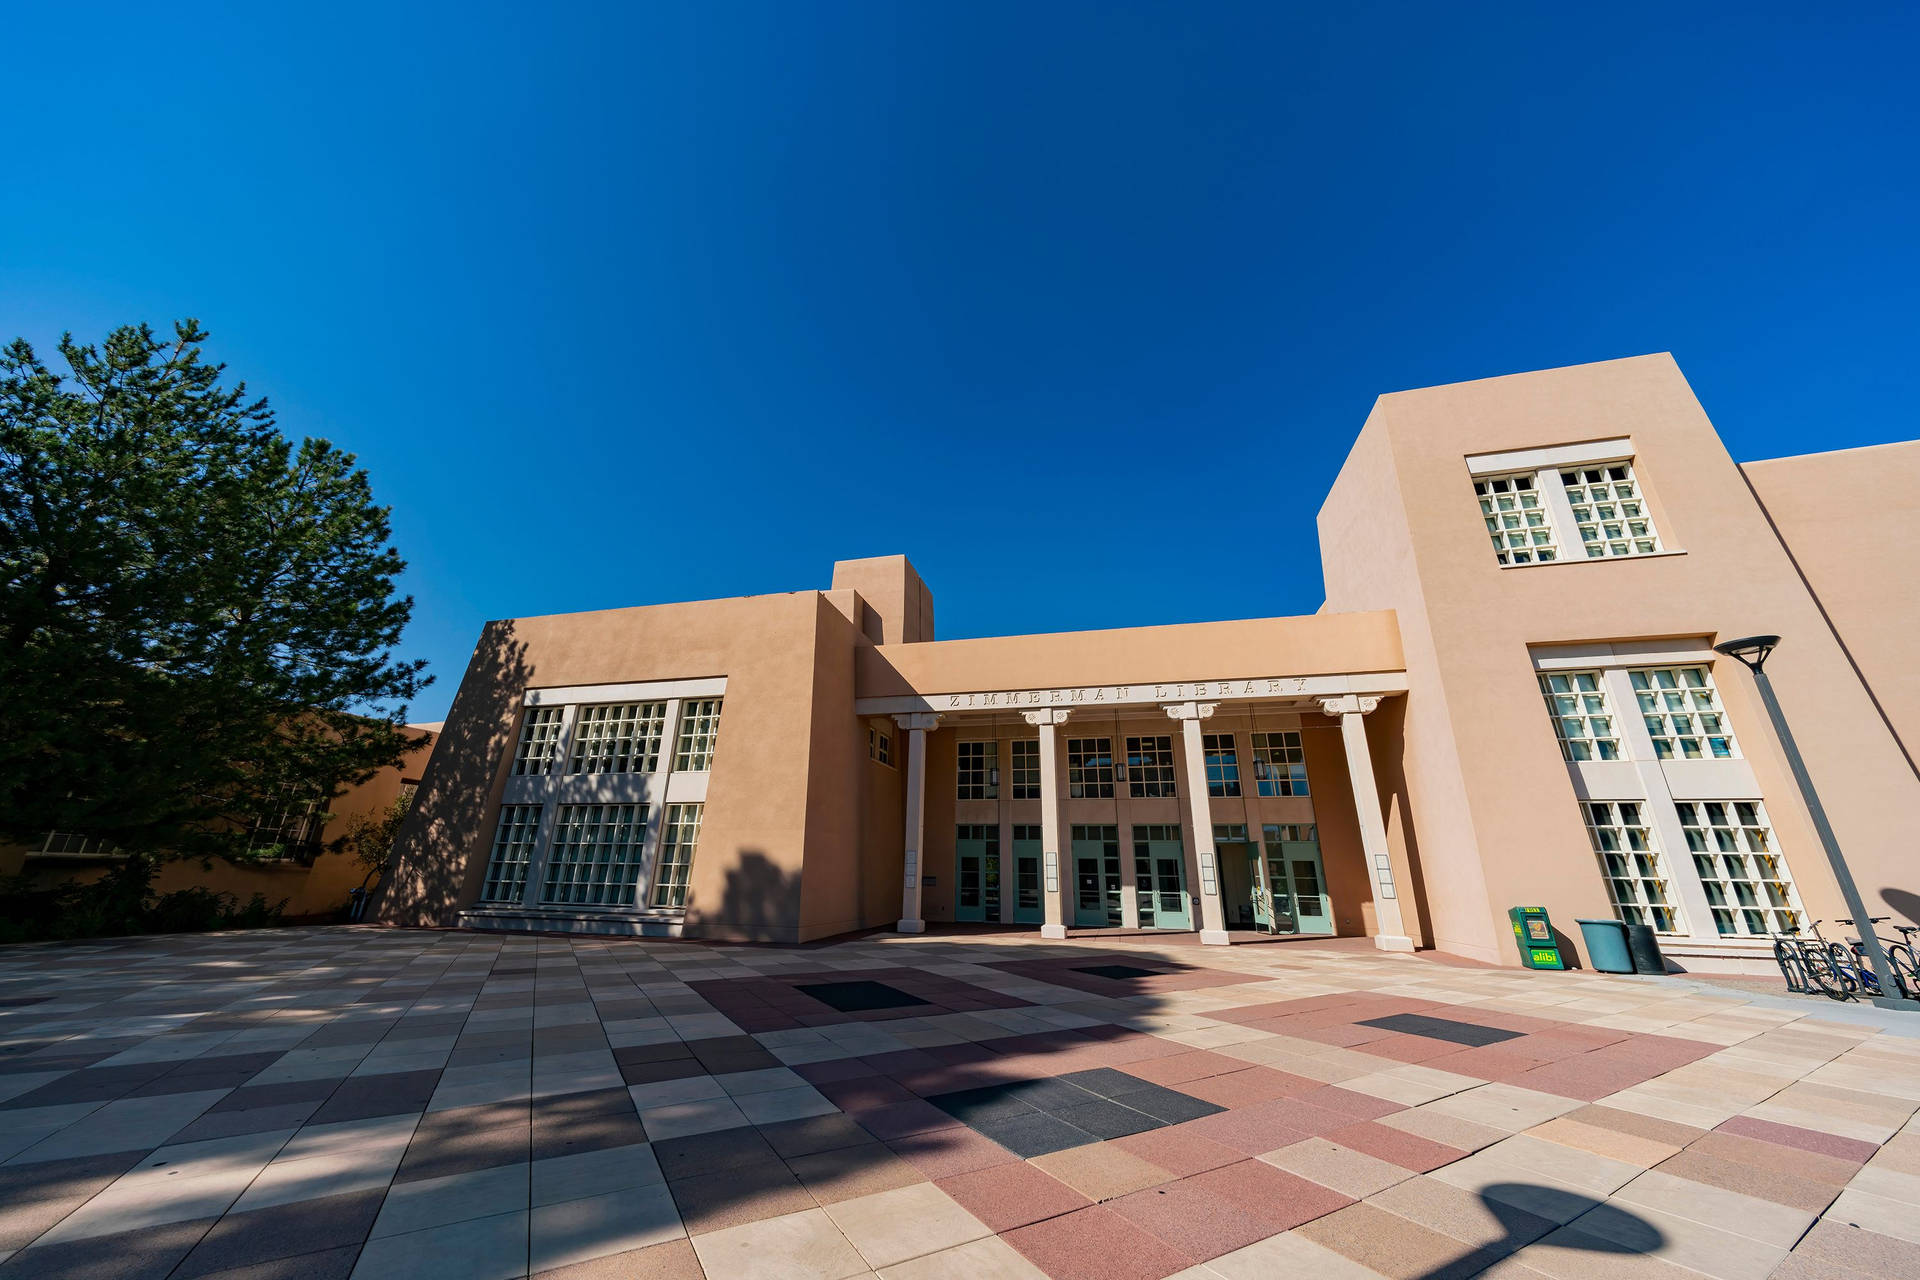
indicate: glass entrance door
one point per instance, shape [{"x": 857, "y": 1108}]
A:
[
  {"x": 1296, "y": 879},
  {"x": 1160, "y": 871},
  {"x": 976, "y": 894},
  {"x": 1096, "y": 877},
  {"x": 1028, "y": 908}
]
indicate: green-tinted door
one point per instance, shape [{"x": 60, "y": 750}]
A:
[
  {"x": 976, "y": 891},
  {"x": 1296, "y": 880},
  {"x": 1262, "y": 899},
  {"x": 1028, "y": 906},
  {"x": 1096, "y": 877},
  {"x": 1160, "y": 870}
]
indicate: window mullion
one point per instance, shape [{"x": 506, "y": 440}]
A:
[{"x": 1566, "y": 530}]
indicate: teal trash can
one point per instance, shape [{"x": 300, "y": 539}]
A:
[{"x": 1607, "y": 947}]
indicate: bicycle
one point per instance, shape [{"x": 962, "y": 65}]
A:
[
  {"x": 1808, "y": 964},
  {"x": 1900, "y": 958}
]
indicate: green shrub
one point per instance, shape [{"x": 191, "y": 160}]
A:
[{"x": 122, "y": 902}]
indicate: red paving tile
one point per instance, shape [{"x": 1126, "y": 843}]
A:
[
  {"x": 1243, "y": 1088},
  {"x": 1195, "y": 1064},
  {"x": 1006, "y": 1196},
  {"x": 1179, "y": 1150},
  {"x": 1095, "y": 1244},
  {"x": 1409, "y": 1151},
  {"x": 1788, "y": 1135},
  {"x": 1194, "y": 1220},
  {"x": 1402, "y": 1048},
  {"x": 1577, "y": 1078},
  {"x": 1280, "y": 1200},
  {"x": 1256, "y": 1130},
  {"x": 1348, "y": 1102}
]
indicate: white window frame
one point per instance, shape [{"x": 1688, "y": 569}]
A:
[
  {"x": 976, "y": 769},
  {"x": 1638, "y": 880},
  {"x": 1714, "y": 844},
  {"x": 1023, "y": 758},
  {"x": 1150, "y": 768},
  {"x": 1673, "y": 713},
  {"x": 1279, "y": 764},
  {"x": 1573, "y": 503},
  {"x": 1583, "y": 718}
]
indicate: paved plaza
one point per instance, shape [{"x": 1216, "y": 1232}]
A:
[{"x": 331, "y": 1103}]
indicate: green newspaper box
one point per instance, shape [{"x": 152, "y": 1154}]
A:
[{"x": 1534, "y": 932}]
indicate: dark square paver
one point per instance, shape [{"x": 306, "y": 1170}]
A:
[
  {"x": 859, "y": 997},
  {"x": 1472, "y": 1034},
  {"x": 1119, "y": 972}
]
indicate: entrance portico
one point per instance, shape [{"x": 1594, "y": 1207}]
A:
[{"x": 1074, "y": 807}]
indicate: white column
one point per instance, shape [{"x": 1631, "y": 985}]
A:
[
  {"x": 916, "y": 726},
  {"x": 1045, "y": 721},
  {"x": 1351, "y": 710},
  {"x": 1213, "y": 919}
]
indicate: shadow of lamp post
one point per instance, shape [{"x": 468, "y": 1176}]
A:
[{"x": 1752, "y": 653}]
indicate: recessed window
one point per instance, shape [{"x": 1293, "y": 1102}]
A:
[
  {"x": 618, "y": 738},
  {"x": 594, "y": 859},
  {"x": 1636, "y": 878},
  {"x": 679, "y": 838},
  {"x": 1577, "y": 700},
  {"x": 1026, "y": 768},
  {"x": 978, "y": 771},
  {"x": 1682, "y": 712},
  {"x": 512, "y": 851},
  {"x": 1516, "y": 519},
  {"x": 1608, "y": 511},
  {"x": 1223, "y": 764},
  {"x": 699, "y": 727},
  {"x": 1744, "y": 877},
  {"x": 1279, "y": 764},
  {"x": 1090, "y": 768},
  {"x": 539, "y": 739},
  {"x": 884, "y": 753},
  {"x": 1229, "y": 833},
  {"x": 1150, "y": 767}
]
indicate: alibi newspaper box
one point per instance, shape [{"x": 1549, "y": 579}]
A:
[{"x": 1534, "y": 932}]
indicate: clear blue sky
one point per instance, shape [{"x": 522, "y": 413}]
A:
[{"x": 1077, "y": 305}]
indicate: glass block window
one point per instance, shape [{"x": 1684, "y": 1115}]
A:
[
  {"x": 1516, "y": 520},
  {"x": 1683, "y": 713},
  {"x": 978, "y": 771},
  {"x": 1609, "y": 511},
  {"x": 1223, "y": 764},
  {"x": 1150, "y": 766},
  {"x": 1577, "y": 701},
  {"x": 595, "y": 855},
  {"x": 1090, "y": 768},
  {"x": 1026, "y": 769},
  {"x": 1635, "y": 874},
  {"x": 539, "y": 740},
  {"x": 512, "y": 852},
  {"x": 1744, "y": 876},
  {"x": 700, "y": 725},
  {"x": 679, "y": 838},
  {"x": 1279, "y": 764},
  {"x": 618, "y": 738}
]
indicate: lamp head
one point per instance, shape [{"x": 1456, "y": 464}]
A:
[{"x": 1751, "y": 650}]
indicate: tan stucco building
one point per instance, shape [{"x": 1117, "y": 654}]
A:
[{"x": 1509, "y": 698}]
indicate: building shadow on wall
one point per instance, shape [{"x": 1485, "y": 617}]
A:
[
  {"x": 1905, "y": 901},
  {"x": 443, "y": 843}
]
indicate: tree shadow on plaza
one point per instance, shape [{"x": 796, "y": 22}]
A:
[{"x": 442, "y": 846}]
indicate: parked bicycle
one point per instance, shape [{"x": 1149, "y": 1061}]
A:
[
  {"x": 1807, "y": 964},
  {"x": 1900, "y": 957}
]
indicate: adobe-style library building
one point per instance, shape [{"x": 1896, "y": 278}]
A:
[{"x": 1510, "y": 697}]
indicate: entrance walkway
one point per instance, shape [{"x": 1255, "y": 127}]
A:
[{"x": 326, "y": 1103}]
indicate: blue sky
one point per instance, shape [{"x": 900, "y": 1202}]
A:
[{"x": 1079, "y": 306}]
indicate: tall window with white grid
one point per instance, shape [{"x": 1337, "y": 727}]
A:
[
  {"x": 1683, "y": 713},
  {"x": 618, "y": 738},
  {"x": 1025, "y": 753},
  {"x": 1609, "y": 511},
  {"x": 679, "y": 839},
  {"x": 1090, "y": 768},
  {"x": 1223, "y": 764},
  {"x": 699, "y": 729},
  {"x": 512, "y": 851},
  {"x": 1577, "y": 700},
  {"x": 1635, "y": 875},
  {"x": 594, "y": 857},
  {"x": 539, "y": 740},
  {"x": 1744, "y": 877},
  {"x": 1518, "y": 524}
]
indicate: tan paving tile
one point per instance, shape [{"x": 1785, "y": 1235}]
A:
[
  {"x": 1477, "y": 1220},
  {"x": 1763, "y": 1220},
  {"x": 989, "y": 1259},
  {"x": 890, "y": 1227},
  {"x": 1347, "y": 1171},
  {"x": 1390, "y": 1245},
  {"x": 1287, "y": 1254},
  {"x": 1101, "y": 1171},
  {"x": 1611, "y": 1143},
  {"x": 799, "y": 1246}
]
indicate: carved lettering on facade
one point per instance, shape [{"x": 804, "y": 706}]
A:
[{"x": 1173, "y": 692}]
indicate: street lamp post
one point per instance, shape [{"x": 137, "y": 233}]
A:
[{"x": 1752, "y": 653}]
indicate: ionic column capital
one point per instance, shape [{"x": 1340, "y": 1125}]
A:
[
  {"x": 918, "y": 720},
  {"x": 1051, "y": 715},
  {"x": 1190, "y": 710},
  {"x": 1348, "y": 704}
]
